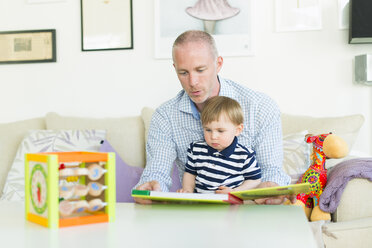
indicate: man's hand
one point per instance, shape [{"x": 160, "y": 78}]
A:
[
  {"x": 273, "y": 200},
  {"x": 152, "y": 185}
]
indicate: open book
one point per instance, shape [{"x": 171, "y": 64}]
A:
[{"x": 235, "y": 197}]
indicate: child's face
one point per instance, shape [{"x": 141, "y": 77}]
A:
[{"x": 220, "y": 134}]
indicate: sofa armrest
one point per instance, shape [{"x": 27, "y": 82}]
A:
[
  {"x": 11, "y": 135},
  {"x": 356, "y": 201}
]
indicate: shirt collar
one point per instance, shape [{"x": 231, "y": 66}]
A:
[
  {"x": 188, "y": 106},
  {"x": 225, "y": 152},
  {"x": 223, "y": 88},
  {"x": 195, "y": 111}
]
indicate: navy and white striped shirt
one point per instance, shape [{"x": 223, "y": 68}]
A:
[
  {"x": 176, "y": 123},
  {"x": 229, "y": 167}
]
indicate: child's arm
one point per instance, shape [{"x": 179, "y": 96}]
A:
[
  {"x": 247, "y": 184},
  {"x": 188, "y": 183}
]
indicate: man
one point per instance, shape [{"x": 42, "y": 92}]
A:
[{"x": 176, "y": 123}]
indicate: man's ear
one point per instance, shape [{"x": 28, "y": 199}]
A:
[
  {"x": 239, "y": 129},
  {"x": 219, "y": 63}
]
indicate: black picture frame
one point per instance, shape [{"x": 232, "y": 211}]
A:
[
  {"x": 28, "y": 46},
  {"x": 106, "y": 25}
]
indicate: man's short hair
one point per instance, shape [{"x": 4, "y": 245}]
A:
[
  {"x": 216, "y": 106},
  {"x": 196, "y": 36}
]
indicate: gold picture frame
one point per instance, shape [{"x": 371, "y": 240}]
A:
[{"x": 29, "y": 46}]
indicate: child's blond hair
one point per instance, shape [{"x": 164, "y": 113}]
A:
[{"x": 216, "y": 106}]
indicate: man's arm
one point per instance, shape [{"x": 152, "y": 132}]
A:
[
  {"x": 160, "y": 154},
  {"x": 269, "y": 143},
  {"x": 269, "y": 150}
]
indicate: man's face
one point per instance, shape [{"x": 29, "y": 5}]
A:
[{"x": 197, "y": 70}]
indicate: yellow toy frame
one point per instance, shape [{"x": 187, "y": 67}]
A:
[{"x": 43, "y": 169}]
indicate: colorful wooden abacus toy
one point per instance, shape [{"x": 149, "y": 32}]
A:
[{"x": 70, "y": 188}]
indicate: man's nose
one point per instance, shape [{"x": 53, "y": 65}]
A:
[{"x": 193, "y": 79}]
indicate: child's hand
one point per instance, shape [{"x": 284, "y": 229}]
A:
[
  {"x": 183, "y": 191},
  {"x": 223, "y": 190}
]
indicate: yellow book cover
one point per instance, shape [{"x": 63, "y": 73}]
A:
[{"x": 292, "y": 189}]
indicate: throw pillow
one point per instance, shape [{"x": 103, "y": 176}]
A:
[
  {"x": 296, "y": 157},
  {"x": 128, "y": 176},
  {"x": 146, "y": 115},
  {"x": 47, "y": 141}
]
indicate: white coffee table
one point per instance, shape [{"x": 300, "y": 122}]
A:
[{"x": 167, "y": 226}]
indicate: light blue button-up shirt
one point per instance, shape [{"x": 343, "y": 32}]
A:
[{"x": 176, "y": 123}]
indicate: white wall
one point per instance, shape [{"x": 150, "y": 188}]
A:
[{"x": 308, "y": 73}]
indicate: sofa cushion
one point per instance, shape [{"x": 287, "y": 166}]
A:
[
  {"x": 47, "y": 141},
  {"x": 125, "y": 134},
  {"x": 347, "y": 127},
  {"x": 146, "y": 115},
  {"x": 11, "y": 135},
  {"x": 346, "y": 234}
]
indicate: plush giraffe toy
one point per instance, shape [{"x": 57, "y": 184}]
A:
[{"x": 324, "y": 146}]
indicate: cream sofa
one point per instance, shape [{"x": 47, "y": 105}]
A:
[{"x": 352, "y": 222}]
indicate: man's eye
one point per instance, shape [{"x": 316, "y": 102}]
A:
[
  {"x": 221, "y": 131},
  {"x": 200, "y": 70},
  {"x": 183, "y": 73}
]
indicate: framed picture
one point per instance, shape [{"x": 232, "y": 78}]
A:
[
  {"x": 230, "y": 22},
  {"x": 31, "y": 46},
  {"x": 106, "y": 25},
  {"x": 298, "y": 15}
]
